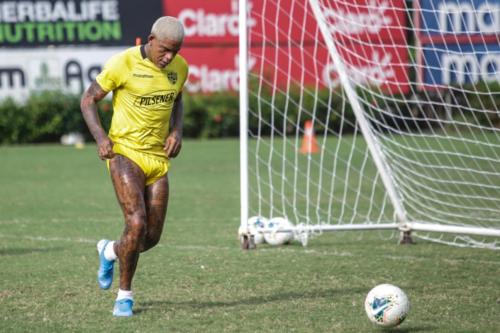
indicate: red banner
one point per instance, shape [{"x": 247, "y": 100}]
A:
[
  {"x": 378, "y": 21},
  {"x": 216, "y": 69},
  {"x": 377, "y": 65},
  {"x": 370, "y": 36},
  {"x": 368, "y": 20},
  {"x": 206, "y": 22},
  {"x": 212, "y": 69}
]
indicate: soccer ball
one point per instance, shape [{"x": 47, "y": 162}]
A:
[
  {"x": 255, "y": 223},
  {"x": 387, "y": 305},
  {"x": 278, "y": 238}
]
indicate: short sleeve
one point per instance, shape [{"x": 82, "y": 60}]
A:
[
  {"x": 186, "y": 74},
  {"x": 183, "y": 70},
  {"x": 113, "y": 73}
]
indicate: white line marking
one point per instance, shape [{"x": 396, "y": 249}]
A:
[
  {"x": 333, "y": 253},
  {"x": 107, "y": 219},
  {"x": 50, "y": 239}
]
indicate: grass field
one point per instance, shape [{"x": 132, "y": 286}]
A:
[{"x": 56, "y": 202}]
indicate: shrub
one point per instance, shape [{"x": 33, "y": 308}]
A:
[{"x": 45, "y": 117}]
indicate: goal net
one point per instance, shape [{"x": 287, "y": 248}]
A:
[{"x": 373, "y": 114}]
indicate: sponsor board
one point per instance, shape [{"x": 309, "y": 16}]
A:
[
  {"x": 459, "y": 17},
  {"x": 33, "y": 23},
  {"x": 459, "y": 42},
  {"x": 210, "y": 69},
  {"x": 383, "y": 66},
  {"x": 72, "y": 69},
  {"x": 461, "y": 64},
  {"x": 217, "y": 21},
  {"x": 211, "y": 44},
  {"x": 207, "y": 22},
  {"x": 23, "y": 72},
  {"x": 380, "y": 65},
  {"x": 369, "y": 20},
  {"x": 212, "y": 39}
]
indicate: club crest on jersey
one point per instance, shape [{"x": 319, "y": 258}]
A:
[{"x": 172, "y": 77}]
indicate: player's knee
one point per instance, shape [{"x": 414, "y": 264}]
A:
[
  {"x": 152, "y": 241},
  {"x": 136, "y": 224}
]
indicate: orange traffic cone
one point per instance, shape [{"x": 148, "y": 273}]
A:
[{"x": 309, "y": 142}]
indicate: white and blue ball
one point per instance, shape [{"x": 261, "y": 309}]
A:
[
  {"x": 275, "y": 236},
  {"x": 387, "y": 305},
  {"x": 254, "y": 226}
]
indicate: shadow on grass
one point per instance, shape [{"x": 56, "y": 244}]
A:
[
  {"x": 25, "y": 250},
  {"x": 408, "y": 329},
  {"x": 196, "y": 304},
  {"x": 154, "y": 305}
]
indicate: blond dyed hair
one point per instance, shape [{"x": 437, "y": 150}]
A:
[{"x": 168, "y": 27}]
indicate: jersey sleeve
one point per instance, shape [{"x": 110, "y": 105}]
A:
[
  {"x": 113, "y": 74},
  {"x": 184, "y": 71},
  {"x": 186, "y": 75}
]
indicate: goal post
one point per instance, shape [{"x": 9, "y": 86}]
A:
[
  {"x": 243, "y": 107},
  {"x": 402, "y": 99}
]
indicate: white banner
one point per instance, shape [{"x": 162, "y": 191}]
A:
[{"x": 66, "y": 69}]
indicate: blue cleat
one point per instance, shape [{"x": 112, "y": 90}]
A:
[
  {"x": 105, "y": 272},
  {"x": 123, "y": 308}
]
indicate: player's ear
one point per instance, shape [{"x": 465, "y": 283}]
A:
[{"x": 150, "y": 38}]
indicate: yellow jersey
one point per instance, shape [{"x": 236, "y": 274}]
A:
[{"x": 143, "y": 98}]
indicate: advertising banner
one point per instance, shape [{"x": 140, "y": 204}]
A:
[
  {"x": 35, "y": 23},
  {"x": 23, "y": 72},
  {"x": 217, "y": 21},
  {"x": 469, "y": 17},
  {"x": 212, "y": 39},
  {"x": 71, "y": 70},
  {"x": 206, "y": 23},
  {"x": 376, "y": 21},
  {"x": 62, "y": 44},
  {"x": 459, "y": 42},
  {"x": 384, "y": 66},
  {"x": 379, "y": 65},
  {"x": 212, "y": 69},
  {"x": 461, "y": 64}
]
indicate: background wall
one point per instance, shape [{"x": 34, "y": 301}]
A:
[{"x": 63, "y": 44}]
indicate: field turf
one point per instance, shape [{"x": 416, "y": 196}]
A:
[{"x": 56, "y": 202}]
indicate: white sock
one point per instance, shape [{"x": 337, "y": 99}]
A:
[
  {"x": 122, "y": 294},
  {"x": 109, "y": 251}
]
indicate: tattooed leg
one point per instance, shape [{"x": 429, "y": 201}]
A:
[
  {"x": 156, "y": 198},
  {"x": 129, "y": 183}
]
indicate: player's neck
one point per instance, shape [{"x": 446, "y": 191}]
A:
[{"x": 147, "y": 51}]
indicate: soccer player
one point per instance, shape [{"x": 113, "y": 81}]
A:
[{"x": 146, "y": 131}]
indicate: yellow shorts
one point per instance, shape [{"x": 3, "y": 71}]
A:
[{"x": 154, "y": 167}]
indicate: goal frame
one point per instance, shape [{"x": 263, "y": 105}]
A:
[{"x": 401, "y": 222}]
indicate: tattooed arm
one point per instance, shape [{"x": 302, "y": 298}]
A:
[
  {"x": 173, "y": 143},
  {"x": 88, "y": 106}
]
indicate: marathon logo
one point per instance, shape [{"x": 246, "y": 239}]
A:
[{"x": 164, "y": 98}]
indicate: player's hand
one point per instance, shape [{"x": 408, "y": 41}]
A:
[
  {"x": 105, "y": 148},
  {"x": 173, "y": 144}
]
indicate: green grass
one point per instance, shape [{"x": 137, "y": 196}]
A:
[{"x": 56, "y": 202}]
